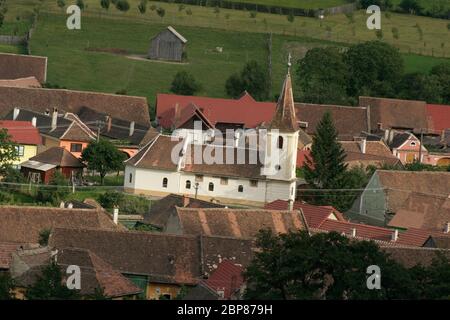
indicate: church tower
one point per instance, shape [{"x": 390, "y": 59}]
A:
[{"x": 282, "y": 144}]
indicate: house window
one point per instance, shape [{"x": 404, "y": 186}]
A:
[
  {"x": 280, "y": 142},
  {"x": 253, "y": 183},
  {"x": 278, "y": 167},
  {"x": 224, "y": 181},
  {"x": 413, "y": 144},
  {"x": 76, "y": 147},
  {"x": 20, "y": 151},
  {"x": 240, "y": 188},
  {"x": 131, "y": 178},
  {"x": 211, "y": 186},
  {"x": 188, "y": 184},
  {"x": 198, "y": 178},
  {"x": 165, "y": 183}
]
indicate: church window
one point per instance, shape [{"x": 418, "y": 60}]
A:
[
  {"x": 280, "y": 142},
  {"x": 164, "y": 184}
]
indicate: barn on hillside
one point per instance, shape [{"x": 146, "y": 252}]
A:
[{"x": 167, "y": 45}]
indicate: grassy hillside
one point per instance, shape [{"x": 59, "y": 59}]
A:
[{"x": 303, "y": 4}]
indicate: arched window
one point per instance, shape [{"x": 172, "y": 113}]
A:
[
  {"x": 165, "y": 183},
  {"x": 211, "y": 186},
  {"x": 240, "y": 188},
  {"x": 188, "y": 184},
  {"x": 280, "y": 142},
  {"x": 278, "y": 167}
]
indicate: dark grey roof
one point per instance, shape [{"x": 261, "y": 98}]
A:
[
  {"x": 43, "y": 122},
  {"x": 120, "y": 129},
  {"x": 399, "y": 139}
]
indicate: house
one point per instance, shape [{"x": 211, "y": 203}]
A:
[
  {"x": 160, "y": 264},
  {"x": 171, "y": 164},
  {"x": 57, "y": 130},
  {"x": 167, "y": 45},
  {"x": 163, "y": 209},
  {"x": 396, "y": 114},
  {"x": 388, "y": 190},
  {"x": 225, "y": 283},
  {"x": 70, "y": 101},
  {"x": 244, "y": 112},
  {"x": 440, "y": 242},
  {"x": 97, "y": 275},
  {"x": 350, "y": 122},
  {"x": 368, "y": 153},
  {"x": 22, "y": 224},
  {"x": 423, "y": 211},
  {"x": 16, "y": 66},
  {"x": 128, "y": 136},
  {"x": 405, "y": 146},
  {"x": 237, "y": 223},
  {"x": 41, "y": 168},
  {"x": 315, "y": 216},
  {"x": 26, "y": 136}
]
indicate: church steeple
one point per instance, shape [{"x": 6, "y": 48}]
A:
[{"x": 285, "y": 119}]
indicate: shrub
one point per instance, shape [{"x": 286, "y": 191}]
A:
[
  {"x": 111, "y": 199},
  {"x": 122, "y": 5}
]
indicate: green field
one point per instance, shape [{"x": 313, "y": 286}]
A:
[
  {"x": 303, "y": 4},
  {"x": 72, "y": 66}
]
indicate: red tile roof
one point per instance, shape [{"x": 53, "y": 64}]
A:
[
  {"x": 22, "y": 132},
  {"x": 28, "y": 82},
  {"x": 6, "y": 250},
  {"x": 315, "y": 215},
  {"x": 227, "y": 278},
  {"x": 244, "y": 110},
  {"x": 439, "y": 116}
]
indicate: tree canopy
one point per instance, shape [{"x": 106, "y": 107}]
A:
[
  {"x": 253, "y": 78},
  {"x": 331, "y": 266},
  {"x": 103, "y": 157},
  {"x": 184, "y": 83},
  {"x": 8, "y": 152}
]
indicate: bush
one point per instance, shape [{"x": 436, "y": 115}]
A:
[
  {"x": 184, "y": 83},
  {"x": 122, "y": 5},
  {"x": 189, "y": 11},
  {"x": 161, "y": 12},
  {"x": 56, "y": 191},
  {"x": 109, "y": 200}
]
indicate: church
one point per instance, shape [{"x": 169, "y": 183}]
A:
[{"x": 167, "y": 164}]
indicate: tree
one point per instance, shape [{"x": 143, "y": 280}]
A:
[
  {"x": 253, "y": 79},
  {"x": 61, "y": 3},
  {"x": 325, "y": 169},
  {"x": 375, "y": 68},
  {"x": 50, "y": 286},
  {"x": 322, "y": 266},
  {"x": 419, "y": 86},
  {"x": 8, "y": 151},
  {"x": 6, "y": 286},
  {"x": 103, "y": 157},
  {"x": 161, "y": 12},
  {"x": 122, "y": 5},
  {"x": 322, "y": 77},
  {"x": 442, "y": 72},
  {"x": 291, "y": 17},
  {"x": 142, "y": 6},
  {"x": 184, "y": 83},
  {"x": 411, "y": 6},
  {"x": 105, "y": 4},
  {"x": 80, "y": 4}
]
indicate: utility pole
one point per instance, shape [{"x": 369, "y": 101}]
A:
[
  {"x": 420, "y": 146},
  {"x": 196, "y": 189}
]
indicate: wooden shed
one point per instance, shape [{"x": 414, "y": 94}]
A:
[{"x": 167, "y": 45}]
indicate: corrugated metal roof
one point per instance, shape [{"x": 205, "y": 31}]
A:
[
  {"x": 37, "y": 165},
  {"x": 179, "y": 36}
]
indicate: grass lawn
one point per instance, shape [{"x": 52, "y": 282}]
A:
[
  {"x": 417, "y": 63},
  {"x": 302, "y": 4}
]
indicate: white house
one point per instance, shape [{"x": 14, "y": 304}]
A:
[{"x": 255, "y": 175}]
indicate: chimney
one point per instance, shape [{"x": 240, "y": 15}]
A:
[
  {"x": 353, "y": 232},
  {"x": 116, "y": 215},
  {"x": 386, "y": 136},
  {"x": 391, "y": 136},
  {"x": 70, "y": 205},
  {"x": 34, "y": 122},
  {"x": 447, "y": 227},
  {"x": 394, "y": 236},
  {"x": 363, "y": 144},
  {"x": 54, "y": 118},
  {"x": 109, "y": 124},
  {"x": 291, "y": 204},
  {"x": 131, "y": 128},
  {"x": 16, "y": 113},
  {"x": 186, "y": 201},
  {"x": 62, "y": 204}
]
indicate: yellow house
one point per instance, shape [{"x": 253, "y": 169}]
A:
[{"x": 26, "y": 136}]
